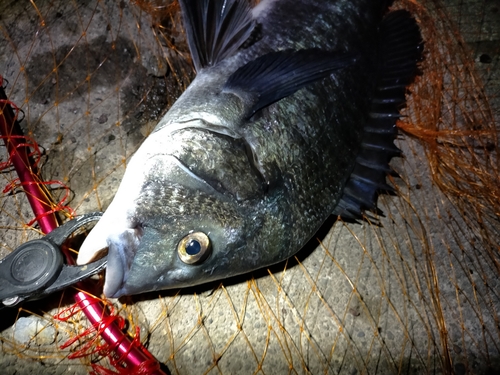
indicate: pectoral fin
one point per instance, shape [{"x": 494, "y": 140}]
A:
[{"x": 277, "y": 75}]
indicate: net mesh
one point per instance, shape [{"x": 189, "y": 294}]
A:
[{"x": 417, "y": 294}]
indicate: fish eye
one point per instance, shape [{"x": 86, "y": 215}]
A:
[{"x": 194, "y": 248}]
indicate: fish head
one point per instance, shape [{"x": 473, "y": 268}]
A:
[
  {"x": 179, "y": 236},
  {"x": 167, "y": 227}
]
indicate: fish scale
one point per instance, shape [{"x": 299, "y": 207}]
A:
[{"x": 279, "y": 130}]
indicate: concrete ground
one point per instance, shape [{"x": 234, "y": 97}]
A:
[{"x": 418, "y": 294}]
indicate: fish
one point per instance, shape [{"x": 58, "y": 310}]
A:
[{"x": 291, "y": 118}]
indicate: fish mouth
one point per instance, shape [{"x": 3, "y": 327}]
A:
[{"x": 122, "y": 249}]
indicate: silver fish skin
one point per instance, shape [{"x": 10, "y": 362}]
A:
[{"x": 257, "y": 183}]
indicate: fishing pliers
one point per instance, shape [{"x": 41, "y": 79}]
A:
[{"x": 36, "y": 268}]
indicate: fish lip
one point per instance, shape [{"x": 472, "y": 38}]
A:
[
  {"x": 115, "y": 271},
  {"x": 122, "y": 248}
]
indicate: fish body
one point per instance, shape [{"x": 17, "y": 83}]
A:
[{"x": 290, "y": 119}]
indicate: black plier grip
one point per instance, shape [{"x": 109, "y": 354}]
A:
[{"x": 36, "y": 268}]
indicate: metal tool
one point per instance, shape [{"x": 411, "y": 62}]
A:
[{"x": 36, "y": 268}]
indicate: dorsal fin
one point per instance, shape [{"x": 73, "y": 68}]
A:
[
  {"x": 215, "y": 29},
  {"x": 277, "y": 75},
  {"x": 400, "y": 50}
]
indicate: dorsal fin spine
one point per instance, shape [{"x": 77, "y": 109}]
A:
[
  {"x": 400, "y": 49},
  {"x": 215, "y": 29}
]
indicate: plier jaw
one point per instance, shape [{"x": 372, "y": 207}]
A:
[{"x": 36, "y": 268}]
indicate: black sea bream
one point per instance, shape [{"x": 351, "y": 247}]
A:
[{"x": 290, "y": 119}]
